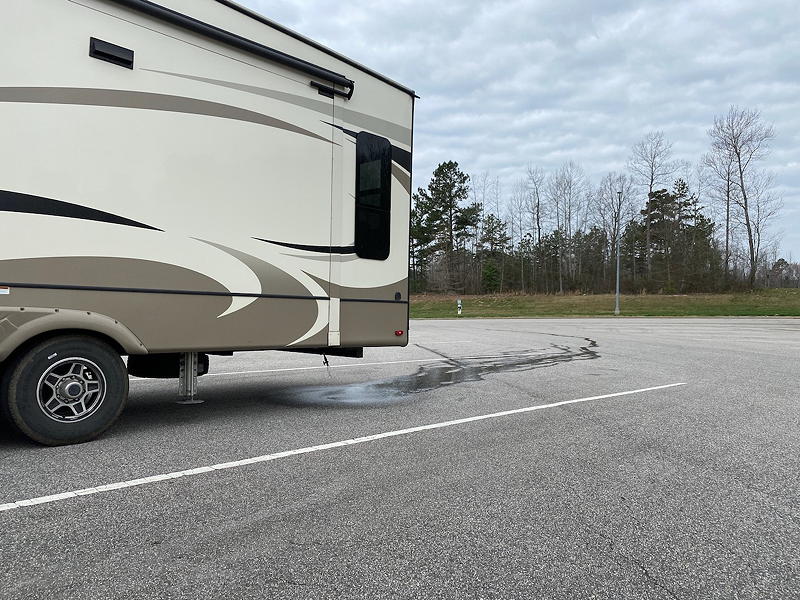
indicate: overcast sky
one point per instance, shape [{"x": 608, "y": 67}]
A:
[{"x": 507, "y": 84}]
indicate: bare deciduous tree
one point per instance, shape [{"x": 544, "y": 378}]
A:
[
  {"x": 536, "y": 183},
  {"x": 517, "y": 213},
  {"x": 741, "y": 138},
  {"x": 651, "y": 165},
  {"x": 614, "y": 209},
  {"x": 765, "y": 206},
  {"x": 481, "y": 188},
  {"x": 721, "y": 171},
  {"x": 567, "y": 191}
]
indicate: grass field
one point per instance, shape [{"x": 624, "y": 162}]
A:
[{"x": 783, "y": 302}]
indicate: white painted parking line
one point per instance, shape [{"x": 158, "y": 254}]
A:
[
  {"x": 732, "y": 340},
  {"x": 309, "y": 449}
]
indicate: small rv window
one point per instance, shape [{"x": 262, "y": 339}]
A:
[{"x": 373, "y": 196}]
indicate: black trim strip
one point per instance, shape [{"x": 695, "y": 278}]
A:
[
  {"x": 293, "y": 34},
  {"x": 226, "y": 37},
  {"x": 321, "y": 249},
  {"x": 37, "y": 205},
  {"x": 375, "y": 300},
  {"x": 93, "y": 288},
  {"x": 350, "y": 132},
  {"x": 402, "y": 158}
]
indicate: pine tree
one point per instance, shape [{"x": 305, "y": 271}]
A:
[{"x": 441, "y": 223}]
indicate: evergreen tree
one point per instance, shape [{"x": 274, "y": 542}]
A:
[{"x": 440, "y": 221}]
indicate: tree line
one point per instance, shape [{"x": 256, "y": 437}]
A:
[{"x": 678, "y": 227}]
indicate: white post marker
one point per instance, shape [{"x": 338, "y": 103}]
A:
[{"x": 458, "y": 303}]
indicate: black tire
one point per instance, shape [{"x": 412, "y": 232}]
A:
[
  {"x": 66, "y": 390},
  {"x": 5, "y": 417}
]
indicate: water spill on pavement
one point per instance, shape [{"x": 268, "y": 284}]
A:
[{"x": 452, "y": 371}]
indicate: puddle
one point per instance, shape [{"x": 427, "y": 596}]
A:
[{"x": 452, "y": 371}]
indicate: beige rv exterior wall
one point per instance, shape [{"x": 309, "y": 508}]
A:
[
  {"x": 373, "y": 97},
  {"x": 253, "y": 161},
  {"x": 237, "y": 173}
]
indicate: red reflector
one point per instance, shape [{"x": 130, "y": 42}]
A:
[{"x": 399, "y": 332}]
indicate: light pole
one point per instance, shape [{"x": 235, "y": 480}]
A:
[{"x": 619, "y": 226}]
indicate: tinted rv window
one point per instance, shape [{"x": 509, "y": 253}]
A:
[{"x": 373, "y": 196}]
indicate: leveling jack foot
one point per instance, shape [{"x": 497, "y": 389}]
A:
[{"x": 187, "y": 379}]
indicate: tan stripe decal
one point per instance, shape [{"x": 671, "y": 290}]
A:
[
  {"x": 273, "y": 280},
  {"x": 374, "y": 124},
  {"x": 145, "y": 101},
  {"x": 403, "y": 177}
]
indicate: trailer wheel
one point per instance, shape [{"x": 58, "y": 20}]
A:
[
  {"x": 66, "y": 390},
  {"x": 5, "y": 417}
]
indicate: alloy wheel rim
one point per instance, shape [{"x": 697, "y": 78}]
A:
[{"x": 71, "y": 390}]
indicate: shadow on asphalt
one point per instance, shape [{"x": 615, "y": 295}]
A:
[{"x": 232, "y": 398}]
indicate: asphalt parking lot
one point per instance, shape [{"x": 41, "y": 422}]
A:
[{"x": 636, "y": 458}]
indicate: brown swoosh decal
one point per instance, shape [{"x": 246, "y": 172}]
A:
[
  {"x": 375, "y": 124},
  {"x": 144, "y": 101},
  {"x": 273, "y": 280}
]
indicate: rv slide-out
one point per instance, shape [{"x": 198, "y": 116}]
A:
[{"x": 185, "y": 177}]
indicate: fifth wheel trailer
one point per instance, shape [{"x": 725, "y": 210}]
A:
[{"x": 180, "y": 179}]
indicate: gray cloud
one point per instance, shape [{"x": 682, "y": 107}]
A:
[{"x": 512, "y": 83}]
